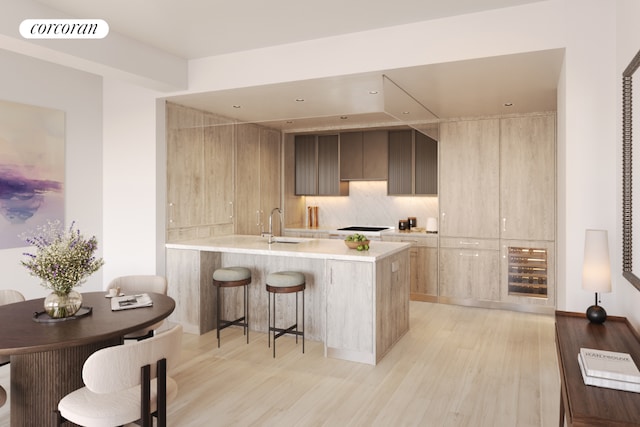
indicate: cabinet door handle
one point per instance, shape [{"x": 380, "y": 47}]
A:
[
  {"x": 504, "y": 224},
  {"x": 258, "y": 217},
  {"x": 231, "y": 208},
  {"x": 469, "y": 243},
  {"x": 467, "y": 254},
  {"x": 170, "y": 212}
]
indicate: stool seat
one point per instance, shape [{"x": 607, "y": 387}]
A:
[
  {"x": 231, "y": 277},
  {"x": 285, "y": 282},
  {"x": 231, "y": 274}
]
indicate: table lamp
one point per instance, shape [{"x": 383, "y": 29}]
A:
[{"x": 596, "y": 271}]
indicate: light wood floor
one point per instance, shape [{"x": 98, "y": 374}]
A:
[{"x": 457, "y": 366}]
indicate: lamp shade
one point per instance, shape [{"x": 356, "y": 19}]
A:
[{"x": 596, "y": 270}]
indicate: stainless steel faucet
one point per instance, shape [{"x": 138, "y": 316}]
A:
[{"x": 271, "y": 239}]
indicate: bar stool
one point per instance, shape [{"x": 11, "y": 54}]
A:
[
  {"x": 285, "y": 282},
  {"x": 230, "y": 277}
]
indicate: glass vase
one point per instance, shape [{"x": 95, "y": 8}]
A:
[{"x": 60, "y": 305}]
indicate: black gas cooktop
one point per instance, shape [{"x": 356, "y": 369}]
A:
[{"x": 361, "y": 228}]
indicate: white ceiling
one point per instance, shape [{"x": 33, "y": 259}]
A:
[{"x": 200, "y": 28}]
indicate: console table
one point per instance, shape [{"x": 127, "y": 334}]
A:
[{"x": 584, "y": 405}]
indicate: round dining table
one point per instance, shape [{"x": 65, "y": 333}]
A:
[{"x": 47, "y": 357}]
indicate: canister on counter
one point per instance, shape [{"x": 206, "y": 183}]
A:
[
  {"x": 413, "y": 222},
  {"x": 403, "y": 224}
]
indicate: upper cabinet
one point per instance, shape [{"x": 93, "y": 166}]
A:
[
  {"x": 527, "y": 177},
  {"x": 469, "y": 178},
  {"x": 364, "y": 155},
  {"x": 413, "y": 164},
  {"x": 317, "y": 166},
  {"x": 257, "y": 177}
]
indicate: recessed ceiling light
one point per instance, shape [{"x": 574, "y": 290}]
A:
[
  {"x": 373, "y": 92},
  {"x": 508, "y": 104},
  {"x": 236, "y": 106},
  {"x": 289, "y": 122},
  {"x": 344, "y": 117},
  {"x": 299, "y": 99},
  {"x": 406, "y": 112}
]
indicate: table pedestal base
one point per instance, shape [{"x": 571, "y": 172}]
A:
[{"x": 54, "y": 374}]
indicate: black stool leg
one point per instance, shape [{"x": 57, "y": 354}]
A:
[
  {"x": 302, "y": 320},
  {"x": 218, "y": 314},
  {"x": 274, "y": 325},
  {"x": 246, "y": 311},
  {"x": 297, "y": 318}
]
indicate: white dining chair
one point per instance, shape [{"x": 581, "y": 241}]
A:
[
  {"x": 7, "y": 296},
  {"x": 137, "y": 284},
  {"x": 126, "y": 384}
]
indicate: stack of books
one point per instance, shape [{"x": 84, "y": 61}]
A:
[{"x": 609, "y": 369}]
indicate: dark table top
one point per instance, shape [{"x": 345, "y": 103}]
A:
[
  {"x": 20, "y": 334},
  {"x": 590, "y": 405}
]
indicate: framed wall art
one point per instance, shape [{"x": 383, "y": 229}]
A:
[{"x": 32, "y": 169}]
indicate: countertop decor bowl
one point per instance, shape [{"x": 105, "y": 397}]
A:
[{"x": 354, "y": 245}]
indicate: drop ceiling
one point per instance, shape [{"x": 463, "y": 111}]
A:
[{"x": 189, "y": 29}]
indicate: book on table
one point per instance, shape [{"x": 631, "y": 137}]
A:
[
  {"x": 609, "y": 369},
  {"x": 127, "y": 302}
]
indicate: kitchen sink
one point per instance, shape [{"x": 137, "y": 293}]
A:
[{"x": 290, "y": 240}]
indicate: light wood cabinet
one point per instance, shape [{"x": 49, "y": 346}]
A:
[
  {"x": 413, "y": 164},
  {"x": 199, "y": 173},
  {"x": 424, "y": 264},
  {"x": 257, "y": 178},
  {"x": 469, "y": 269},
  {"x": 527, "y": 182},
  {"x": 317, "y": 166},
  {"x": 364, "y": 155},
  {"x": 469, "y": 178}
]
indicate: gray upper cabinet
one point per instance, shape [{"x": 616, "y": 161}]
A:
[
  {"x": 413, "y": 164},
  {"x": 426, "y": 165},
  {"x": 400, "y": 160},
  {"x": 317, "y": 166},
  {"x": 306, "y": 166},
  {"x": 364, "y": 155}
]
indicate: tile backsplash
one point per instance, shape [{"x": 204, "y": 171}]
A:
[{"x": 369, "y": 204}]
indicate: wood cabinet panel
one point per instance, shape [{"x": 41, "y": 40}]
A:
[
  {"x": 364, "y": 155},
  {"x": 527, "y": 184},
  {"x": 351, "y": 155},
  {"x": 400, "y": 163},
  {"x": 469, "y": 178},
  {"x": 185, "y": 172},
  {"x": 257, "y": 178},
  {"x": 328, "y": 165},
  {"x": 375, "y": 157},
  {"x": 469, "y": 274},
  {"x": 218, "y": 173},
  {"x": 426, "y": 165},
  {"x": 350, "y": 305},
  {"x": 247, "y": 205},
  {"x": 306, "y": 165},
  {"x": 317, "y": 166}
]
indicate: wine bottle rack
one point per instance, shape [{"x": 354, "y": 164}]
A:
[{"x": 528, "y": 272}]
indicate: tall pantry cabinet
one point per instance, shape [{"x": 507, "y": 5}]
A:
[
  {"x": 200, "y": 179},
  {"x": 497, "y": 210},
  {"x": 257, "y": 178},
  {"x": 469, "y": 260}
]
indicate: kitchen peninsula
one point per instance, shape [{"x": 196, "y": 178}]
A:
[{"x": 356, "y": 302}]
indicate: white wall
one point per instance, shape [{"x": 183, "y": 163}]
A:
[
  {"x": 130, "y": 183},
  {"x": 79, "y": 95},
  {"x": 628, "y": 44}
]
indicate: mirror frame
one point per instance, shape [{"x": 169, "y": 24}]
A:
[{"x": 627, "y": 171}]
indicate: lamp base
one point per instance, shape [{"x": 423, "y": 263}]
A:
[{"x": 596, "y": 314}]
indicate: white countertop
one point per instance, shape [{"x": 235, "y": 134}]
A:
[{"x": 303, "y": 248}]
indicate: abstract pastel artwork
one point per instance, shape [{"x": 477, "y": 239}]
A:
[{"x": 31, "y": 169}]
